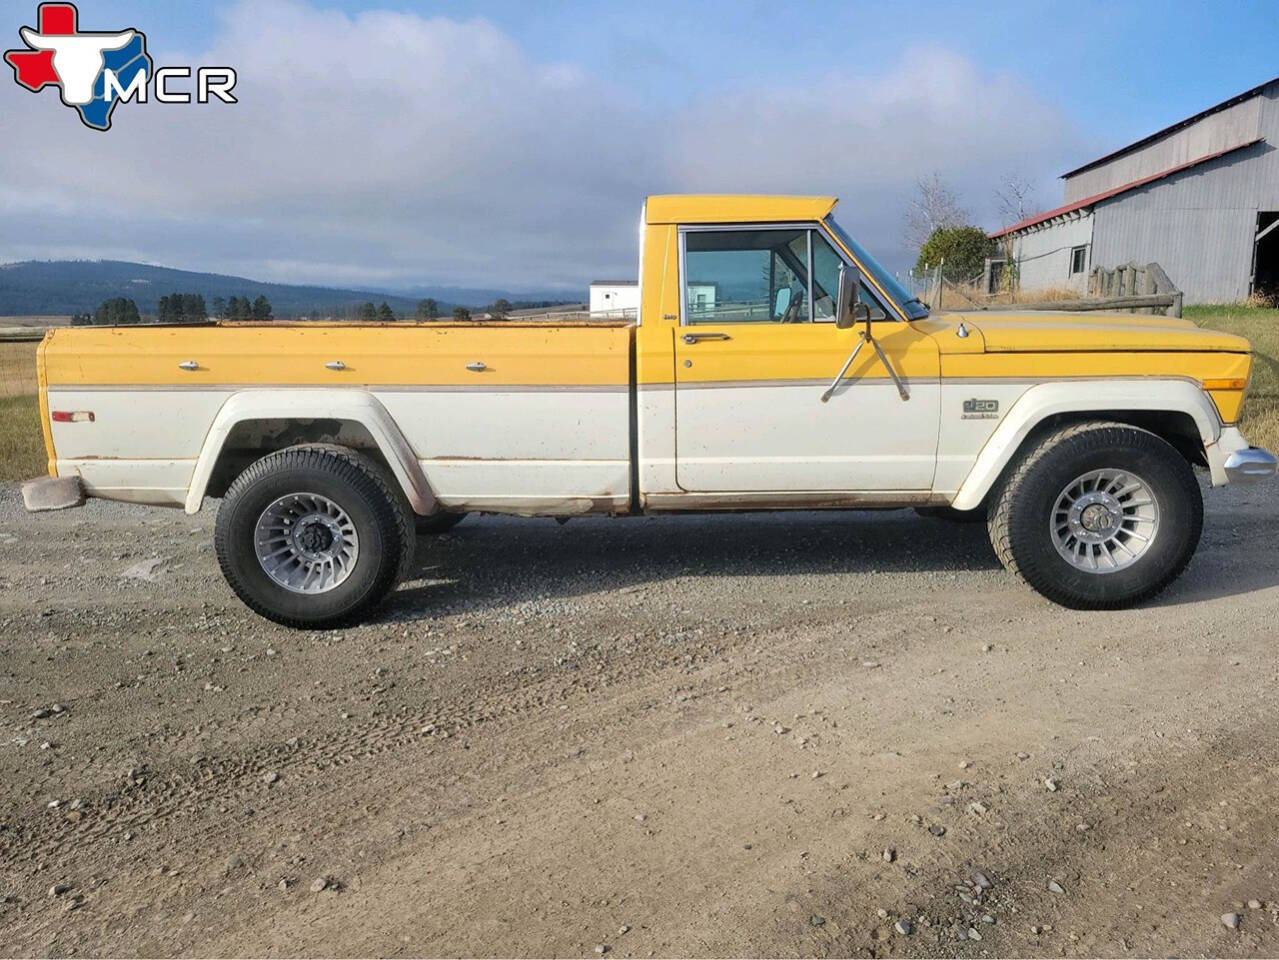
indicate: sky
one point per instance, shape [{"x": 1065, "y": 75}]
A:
[{"x": 510, "y": 144}]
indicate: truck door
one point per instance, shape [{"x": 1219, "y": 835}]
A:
[{"x": 756, "y": 349}]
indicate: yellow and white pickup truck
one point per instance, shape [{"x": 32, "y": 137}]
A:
[{"x": 773, "y": 365}]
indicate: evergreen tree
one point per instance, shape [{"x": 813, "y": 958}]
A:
[
  {"x": 368, "y": 313},
  {"x": 427, "y": 309},
  {"x": 385, "y": 314},
  {"x": 261, "y": 309},
  {"x": 461, "y": 313},
  {"x": 219, "y": 308},
  {"x": 193, "y": 309},
  {"x": 117, "y": 311},
  {"x": 501, "y": 309}
]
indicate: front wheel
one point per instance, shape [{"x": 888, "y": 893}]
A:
[
  {"x": 313, "y": 536},
  {"x": 1098, "y": 516}
]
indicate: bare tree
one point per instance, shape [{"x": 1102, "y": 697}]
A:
[
  {"x": 935, "y": 206},
  {"x": 1014, "y": 197}
]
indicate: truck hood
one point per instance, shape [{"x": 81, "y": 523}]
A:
[{"x": 1052, "y": 332}]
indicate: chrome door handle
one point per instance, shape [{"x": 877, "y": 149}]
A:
[
  {"x": 479, "y": 366},
  {"x": 335, "y": 365},
  {"x": 695, "y": 337},
  {"x": 188, "y": 365}
]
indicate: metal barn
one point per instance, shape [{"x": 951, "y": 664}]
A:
[{"x": 1200, "y": 198}]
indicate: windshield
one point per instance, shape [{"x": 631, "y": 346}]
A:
[{"x": 913, "y": 306}]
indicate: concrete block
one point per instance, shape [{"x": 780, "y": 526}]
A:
[{"x": 52, "y": 493}]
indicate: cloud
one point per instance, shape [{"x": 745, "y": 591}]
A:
[{"x": 389, "y": 148}]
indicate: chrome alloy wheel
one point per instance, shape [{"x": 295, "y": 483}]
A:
[
  {"x": 1104, "y": 521},
  {"x": 306, "y": 543}
]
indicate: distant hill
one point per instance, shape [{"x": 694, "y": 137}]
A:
[{"x": 63, "y": 287}]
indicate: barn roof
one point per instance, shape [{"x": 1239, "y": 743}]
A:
[
  {"x": 1114, "y": 191},
  {"x": 1217, "y": 108}
]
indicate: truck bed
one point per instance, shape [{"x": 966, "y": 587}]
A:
[{"x": 544, "y": 420}]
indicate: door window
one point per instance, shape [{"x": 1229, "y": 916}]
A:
[
  {"x": 762, "y": 276},
  {"x": 746, "y": 276}
]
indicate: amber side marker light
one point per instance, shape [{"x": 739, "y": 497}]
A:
[
  {"x": 72, "y": 416},
  {"x": 1237, "y": 384}
]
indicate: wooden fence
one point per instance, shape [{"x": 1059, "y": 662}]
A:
[{"x": 1139, "y": 287}]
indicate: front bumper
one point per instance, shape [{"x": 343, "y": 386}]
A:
[
  {"x": 1231, "y": 459},
  {"x": 1250, "y": 465}
]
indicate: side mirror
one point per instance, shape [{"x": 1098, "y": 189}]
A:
[{"x": 850, "y": 284}]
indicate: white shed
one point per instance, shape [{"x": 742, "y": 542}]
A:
[{"x": 614, "y": 299}]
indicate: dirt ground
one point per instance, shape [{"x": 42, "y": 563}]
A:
[{"x": 791, "y": 734}]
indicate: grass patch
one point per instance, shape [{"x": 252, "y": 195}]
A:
[
  {"x": 22, "y": 455},
  {"x": 1260, "y": 421},
  {"x": 17, "y": 369}
]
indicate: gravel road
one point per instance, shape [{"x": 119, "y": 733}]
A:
[{"x": 802, "y": 734}]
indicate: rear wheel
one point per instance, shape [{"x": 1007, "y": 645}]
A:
[
  {"x": 313, "y": 536},
  {"x": 1098, "y": 516}
]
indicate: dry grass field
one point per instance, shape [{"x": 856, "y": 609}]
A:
[
  {"x": 21, "y": 445},
  {"x": 17, "y": 369},
  {"x": 1261, "y": 412}
]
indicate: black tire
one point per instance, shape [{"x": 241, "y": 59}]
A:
[
  {"x": 951, "y": 515},
  {"x": 1022, "y": 509},
  {"x": 378, "y": 511},
  {"x": 437, "y": 523}
]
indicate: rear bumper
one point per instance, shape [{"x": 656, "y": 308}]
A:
[{"x": 1250, "y": 465}]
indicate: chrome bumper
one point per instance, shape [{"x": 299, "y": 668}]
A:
[{"x": 1250, "y": 465}]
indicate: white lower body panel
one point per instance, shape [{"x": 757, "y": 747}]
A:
[
  {"x": 781, "y": 437},
  {"x": 563, "y": 450}
]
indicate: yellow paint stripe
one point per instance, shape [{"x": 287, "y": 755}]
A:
[
  {"x": 46, "y": 425},
  {"x": 409, "y": 355}
]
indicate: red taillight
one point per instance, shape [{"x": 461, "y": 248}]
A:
[{"x": 72, "y": 416}]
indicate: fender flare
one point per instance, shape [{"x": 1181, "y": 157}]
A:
[
  {"x": 357, "y": 406},
  {"x": 1052, "y": 399}
]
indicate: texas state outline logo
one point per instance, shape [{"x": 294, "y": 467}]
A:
[{"x": 95, "y": 71}]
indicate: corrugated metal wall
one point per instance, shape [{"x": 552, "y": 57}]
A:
[
  {"x": 1230, "y": 128},
  {"x": 1043, "y": 255}
]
